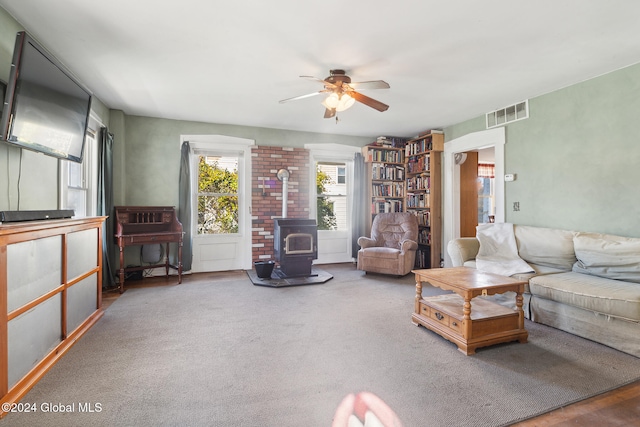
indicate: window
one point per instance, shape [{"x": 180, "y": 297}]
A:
[
  {"x": 331, "y": 190},
  {"x": 217, "y": 194},
  {"x": 486, "y": 193},
  {"x": 78, "y": 181}
]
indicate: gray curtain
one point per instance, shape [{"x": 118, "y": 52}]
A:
[
  {"x": 184, "y": 208},
  {"x": 360, "y": 203},
  {"x": 105, "y": 206}
]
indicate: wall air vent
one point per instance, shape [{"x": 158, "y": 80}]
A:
[{"x": 508, "y": 114}]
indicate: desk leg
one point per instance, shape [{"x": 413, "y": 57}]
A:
[
  {"x": 180, "y": 261},
  {"x": 121, "y": 276},
  {"x": 166, "y": 261}
]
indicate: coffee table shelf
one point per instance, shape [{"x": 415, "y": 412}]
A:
[{"x": 468, "y": 324}]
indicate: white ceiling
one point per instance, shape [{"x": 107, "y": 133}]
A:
[{"x": 232, "y": 61}]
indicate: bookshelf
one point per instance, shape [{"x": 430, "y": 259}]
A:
[
  {"x": 387, "y": 177},
  {"x": 423, "y": 159}
]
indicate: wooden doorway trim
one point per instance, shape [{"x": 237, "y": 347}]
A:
[
  {"x": 469, "y": 195},
  {"x": 451, "y": 195}
]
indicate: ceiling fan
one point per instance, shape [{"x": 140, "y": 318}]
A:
[{"x": 342, "y": 93}]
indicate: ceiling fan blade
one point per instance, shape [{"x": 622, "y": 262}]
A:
[
  {"x": 373, "y": 84},
  {"x": 324, "y": 82},
  {"x": 295, "y": 98},
  {"x": 329, "y": 112},
  {"x": 368, "y": 101}
]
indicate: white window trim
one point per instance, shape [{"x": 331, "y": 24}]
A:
[
  {"x": 90, "y": 175},
  {"x": 328, "y": 152},
  {"x": 231, "y": 145}
]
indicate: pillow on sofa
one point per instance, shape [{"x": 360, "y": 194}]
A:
[
  {"x": 605, "y": 255},
  {"x": 546, "y": 246}
]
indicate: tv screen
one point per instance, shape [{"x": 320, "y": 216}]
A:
[
  {"x": 3, "y": 88},
  {"x": 45, "y": 109}
]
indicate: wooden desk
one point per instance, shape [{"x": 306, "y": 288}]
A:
[
  {"x": 452, "y": 316},
  {"x": 146, "y": 225}
]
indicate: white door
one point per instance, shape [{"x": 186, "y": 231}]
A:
[
  {"x": 332, "y": 212},
  {"x": 331, "y": 200},
  {"x": 221, "y": 196}
]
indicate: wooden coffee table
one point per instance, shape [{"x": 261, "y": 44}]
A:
[{"x": 469, "y": 325}]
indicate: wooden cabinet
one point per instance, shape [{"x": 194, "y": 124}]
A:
[
  {"x": 423, "y": 157},
  {"x": 50, "y": 295},
  {"x": 386, "y": 175}
]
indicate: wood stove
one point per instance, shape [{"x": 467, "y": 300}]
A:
[{"x": 295, "y": 246}]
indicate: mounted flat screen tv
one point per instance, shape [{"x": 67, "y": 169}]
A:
[
  {"x": 45, "y": 108},
  {"x": 3, "y": 88}
]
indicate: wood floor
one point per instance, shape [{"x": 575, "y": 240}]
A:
[{"x": 617, "y": 408}]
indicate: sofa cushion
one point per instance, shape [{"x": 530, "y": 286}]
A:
[
  {"x": 605, "y": 255},
  {"x": 538, "y": 270},
  {"x": 606, "y": 296},
  {"x": 470, "y": 264},
  {"x": 382, "y": 253},
  {"x": 546, "y": 246}
]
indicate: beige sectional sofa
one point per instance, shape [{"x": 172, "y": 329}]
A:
[{"x": 587, "y": 284}]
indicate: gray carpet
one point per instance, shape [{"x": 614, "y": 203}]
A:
[{"x": 219, "y": 351}]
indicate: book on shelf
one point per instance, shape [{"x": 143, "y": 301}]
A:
[
  {"x": 385, "y": 156},
  {"x": 419, "y": 182},
  {"x": 431, "y": 132},
  {"x": 391, "y": 141},
  {"x": 417, "y": 164},
  {"x": 386, "y": 206},
  {"x": 424, "y": 237},
  {"x": 419, "y": 146},
  {"x": 388, "y": 189},
  {"x": 424, "y": 218},
  {"x": 423, "y": 258},
  {"x": 382, "y": 171},
  {"x": 418, "y": 200}
]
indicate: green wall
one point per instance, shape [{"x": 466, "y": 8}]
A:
[
  {"x": 577, "y": 156},
  {"x": 148, "y": 153},
  {"x": 29, "y": 181}
]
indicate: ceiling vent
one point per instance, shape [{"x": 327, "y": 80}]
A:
[{"x": 508, "y": 114}]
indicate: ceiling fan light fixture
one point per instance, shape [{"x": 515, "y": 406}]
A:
[
  {"x": 331, "y": 101},
  {"x": 338, "y": 102},
  {"x": 345, "y": 102}
]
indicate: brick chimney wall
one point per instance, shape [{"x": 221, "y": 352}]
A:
[{"x": 266, "y": 197}]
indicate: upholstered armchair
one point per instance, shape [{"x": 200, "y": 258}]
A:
[{"x": 391, "y": 249}]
